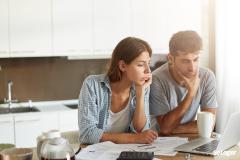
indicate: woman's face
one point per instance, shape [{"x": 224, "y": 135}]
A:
[{"x": 138, "y": 71}]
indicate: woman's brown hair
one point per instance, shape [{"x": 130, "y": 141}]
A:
[{"x": 127, "y": 50}]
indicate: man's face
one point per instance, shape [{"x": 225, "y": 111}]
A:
[{"x": 186, "y": 64}]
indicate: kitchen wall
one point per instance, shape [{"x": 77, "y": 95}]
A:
[
  {"x": 41, "y": 79},
  {"x": 51, "y": 78},
  {"x": 54, "y": 78}
]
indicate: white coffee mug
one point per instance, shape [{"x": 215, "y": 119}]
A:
[{"x": 205, "y": 122}]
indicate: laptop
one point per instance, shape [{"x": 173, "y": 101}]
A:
[{"x": 210, "y": 146}]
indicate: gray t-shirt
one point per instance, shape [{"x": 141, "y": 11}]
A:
[{"x": 166, "y": 94}]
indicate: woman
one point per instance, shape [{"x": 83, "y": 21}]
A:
[{"x": 115, "y": 106}]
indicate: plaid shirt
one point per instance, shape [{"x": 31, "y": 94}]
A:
[{"x": 94, "y": 103}]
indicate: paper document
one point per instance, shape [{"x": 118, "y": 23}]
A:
[
  {"x": 105, "y": 150},
  {"x": 166, "y": 145},
  {"x": 161, "y": 146},
  {"x": 110, "y": 151}
]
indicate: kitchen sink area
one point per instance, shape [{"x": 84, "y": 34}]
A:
[
  {"x": 72, "y": 106},
  {"x": 36, "y": 117},
  {"x": 18, "y": 110},
  {"x": 10, "y": 103}
]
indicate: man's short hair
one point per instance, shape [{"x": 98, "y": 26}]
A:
[{"x": 185, "y": 41}]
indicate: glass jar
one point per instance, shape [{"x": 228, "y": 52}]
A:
[
  {"x": 57, "y": 149},
  {"x": 45, "y": 136}
]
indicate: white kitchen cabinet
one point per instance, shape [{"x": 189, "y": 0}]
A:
[
  {"x": 68, "y": 120},
  {"x": 92, "y": 28},
  {"x": 185, "y": 15},
  {"x": 157, "y": 20},
  {"x": 29, "y": 126},
  {"x": 6, "y": 129},
  {"x": 149, "y": 23},
  {"x": 4, "y": 40},
  {"x": 72, "y": 27},
  {"x": 112, "y": 22},
  {"x": 30, "y": 28}
]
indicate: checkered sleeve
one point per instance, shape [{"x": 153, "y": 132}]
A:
[{"x": 88, "y": 114}]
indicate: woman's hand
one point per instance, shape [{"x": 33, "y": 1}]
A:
[
  {"x": 140, "y": 88},
  {"x": 147, "y": 136},
  {"x": 148, "y": 81}
]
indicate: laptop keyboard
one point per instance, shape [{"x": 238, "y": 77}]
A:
[{"x": 208, "y": 147}]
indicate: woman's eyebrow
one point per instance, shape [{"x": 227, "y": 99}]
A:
[
  {"x": 141, "y": 61},
  {"x": 144, "y": 61}
]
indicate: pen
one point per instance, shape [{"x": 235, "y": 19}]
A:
[
  {"x": 144, "y": 145},
  {"x": 150, "y": 147}
]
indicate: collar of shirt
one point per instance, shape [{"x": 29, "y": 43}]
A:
[{"x": 105, "y": 80}]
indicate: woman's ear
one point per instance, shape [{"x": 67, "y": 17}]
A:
[{"x": 122, "y": 65}]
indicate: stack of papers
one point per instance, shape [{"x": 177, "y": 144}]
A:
[{"x": 110, "y": 151}]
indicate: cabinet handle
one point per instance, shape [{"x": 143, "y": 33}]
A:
[
  {"x": 71, "y": 50},
  {"x": 27, "y": 51},
  {"x": 6, "y": 121},
  {"x": 29, "y": 120}
]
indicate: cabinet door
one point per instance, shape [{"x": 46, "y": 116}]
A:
[
  {"x": 157, "y": 20},
  {"x": 6, "y": 129},
  {"x": 185, "y": 15},
  {"x": 72, "y": 27},
  {"x": 68, "y": 120},
  {"x": 30, "y": 28},
  {"x": 4, "y": 41},
  {"x": 149, "y": 23},
  {"x": 112, "y": 22},
  {"x": 29, "y": 126}
]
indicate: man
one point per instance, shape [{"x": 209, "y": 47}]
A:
[{"x": 180, "y": 87}]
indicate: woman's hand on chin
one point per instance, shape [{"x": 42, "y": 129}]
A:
[
  {"x": 140, "y": 86},
  {"x": 148, "y": 81}
]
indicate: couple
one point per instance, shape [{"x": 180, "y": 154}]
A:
[{"x": 115, "y": 106}]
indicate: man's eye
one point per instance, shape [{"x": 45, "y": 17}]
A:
[
  {"x": 140, "y": 65},
  {"x": 196, "y": 60},
  {"x": 185, "y": 62}
]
